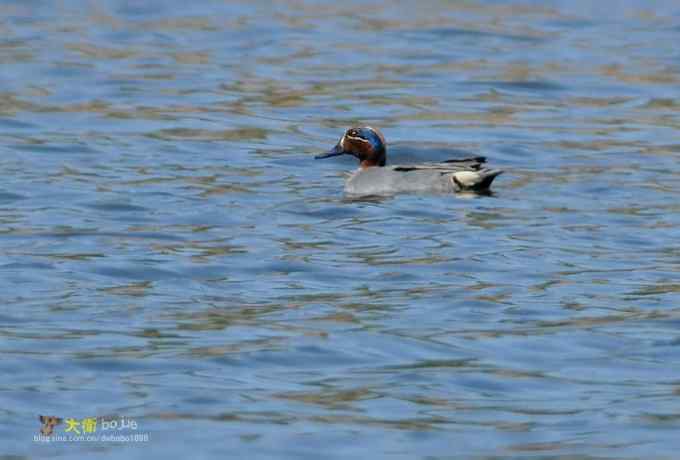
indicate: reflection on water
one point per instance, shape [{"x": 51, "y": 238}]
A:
[{"x": 171, "y": 253}]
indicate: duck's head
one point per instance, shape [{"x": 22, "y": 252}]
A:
[{"x": 367, "y": 144}]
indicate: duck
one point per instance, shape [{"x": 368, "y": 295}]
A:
[{"x": 374, "y": 177}]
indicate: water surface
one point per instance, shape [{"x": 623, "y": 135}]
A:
[{"x": 171, "y": 253}]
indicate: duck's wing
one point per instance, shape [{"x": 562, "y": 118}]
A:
[
  {"x": 463, "y": 164},
  {"x": 465, "y": 174}
]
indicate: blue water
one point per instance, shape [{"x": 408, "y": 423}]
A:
[{"x": 170, "y": 253}]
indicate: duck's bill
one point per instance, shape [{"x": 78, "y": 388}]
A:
[{"x": 334, "y": 152}]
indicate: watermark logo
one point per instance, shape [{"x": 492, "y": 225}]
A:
[
  {"x": 48, "y": 424},
  {"x": 90, "y": 429}
]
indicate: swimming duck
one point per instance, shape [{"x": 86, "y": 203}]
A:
[{"x": 374, "y": 178}]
